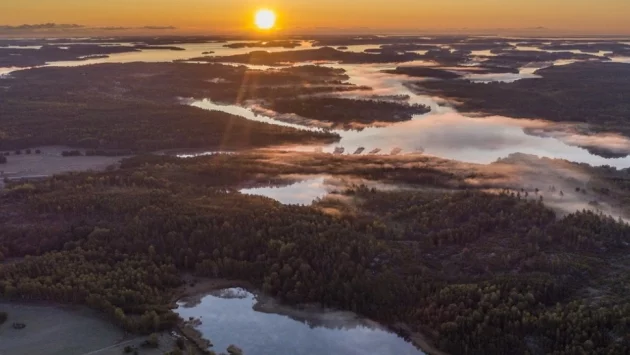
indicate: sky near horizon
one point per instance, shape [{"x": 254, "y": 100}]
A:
[{"x": 583, "y": 16}]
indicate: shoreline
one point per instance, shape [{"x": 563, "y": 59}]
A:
[
  {"x": 202, "y": 286},
  {"x": 421, "y": 342},
  {"x": 194, "y": 289}
]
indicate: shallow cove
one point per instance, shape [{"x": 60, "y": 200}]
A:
[{"x": 259, "y": 326}]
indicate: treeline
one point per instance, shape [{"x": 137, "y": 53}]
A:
[
  {"x": 136, "y": 106},
  {"x": 114, "y": 126},
  {"x": 348, "y": 111},
  {"x": 595, "y": 95},
  {"x": 98, "y": 152},
  {"x": 479, "y": 273},
  {"x": 308, "y": 55}
]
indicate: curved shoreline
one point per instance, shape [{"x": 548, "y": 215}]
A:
[
  {"x": 201, "y": 287},
  {"x": 196, "y": 288}
]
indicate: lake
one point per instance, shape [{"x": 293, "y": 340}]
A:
[
  {"x": 449, "y": 134},
  {"x": 443, "y": 132},
  {"x": 229, "y": 317},
  {"x": 297, "y": 193}
]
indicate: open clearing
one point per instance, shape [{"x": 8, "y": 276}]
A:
[
  {"x": 55, "y": 330},
  {"x": 67, "y": 330},
  {"x": 50, "y": 162}
]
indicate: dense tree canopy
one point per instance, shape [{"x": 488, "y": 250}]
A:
[
  {"x": 139, "y": 107},
  {"x": 594, "y": 93},
  {"x": 479, "y": 273}
]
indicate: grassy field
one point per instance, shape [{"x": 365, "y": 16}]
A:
[
  {"x": 50, "y": 162},
  {"x": 55, "y": 330},
  {"x": 66, "y": 330}
]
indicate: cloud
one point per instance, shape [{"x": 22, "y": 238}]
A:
[
  {"x": 73, "y": 28},
  {"x": 42, "y": 26},
  {"x": 120, "y": 28},
  {"x": 158, "y": 28},
  {"x": 114, "y": 28}
]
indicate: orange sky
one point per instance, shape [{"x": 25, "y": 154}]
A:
[{"x": 582, "y": 16}]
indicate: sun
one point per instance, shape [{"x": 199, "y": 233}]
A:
[{"x": 265, "y": 19}]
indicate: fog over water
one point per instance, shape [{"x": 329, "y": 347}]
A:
[
  {"x": 305, "y": 189},
  {"x": 446, "y": 133},
  {"x": 525, "y": 73},
  {"x": 443, "y": 132},
  {"x": 297, "y": 193},
  {"x": 234, "y": 316},
  {"x": 259, "y": 326}
]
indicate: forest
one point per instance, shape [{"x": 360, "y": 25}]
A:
[
  {"x": 585, "y": 92},
  {"x": 136, "y": 107},
  {"x": 344, "y": 112},
  {"x": 28, "y": 57},
  {"x": 477, "y": 272},
  {"x": 51, "y": 52},
  {"x": 317, "y": 54}
]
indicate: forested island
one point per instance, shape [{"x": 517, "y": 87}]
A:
[
  {"x": 475, "y": 272},
  {"x": 368, "y": 39},
  {"x": 588, "y": 92},
  {"x": 265, "y": 44},
  {"x": 348, "y": 112},
  {"x": 138, "y": 106},
  {"x": 319, "y": 54},
  {"x": 30, "y": 57}
]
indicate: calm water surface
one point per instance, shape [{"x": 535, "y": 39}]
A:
[
  {"x": 6, "y": 70},
  {"x": 228, "y": 317},
  {"x": 298, "y": 193},
  {"x": 443, "y": 132}
]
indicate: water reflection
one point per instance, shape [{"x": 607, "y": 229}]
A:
[
  {"x": 201, "y": 153},
  {"x": 526, "y": 72},
  {"x": 191, "y": 50},
  {"x": 574, "y": 51},
  {"x": 501, "y": 77},
  {"x": 298, "y": 193},
  {"x": 443, "y": 132},
  {"x": 449, "y": 134},
  {"x": 359, "y": 48},
  {"x": 6, "y": 71},
  {"x": 384, "y": 84},
  {"x": 478, "y": 139},
  {"x": 208, "y": 104},
  {"x": 482, "y": 53},
  {"x": 260, "y": 326}
]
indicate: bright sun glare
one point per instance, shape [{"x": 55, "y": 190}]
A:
[{"x": 265, "y": 19}]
